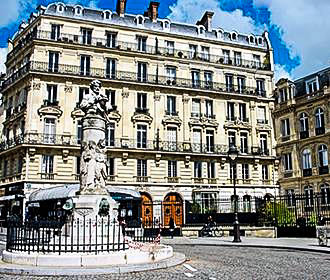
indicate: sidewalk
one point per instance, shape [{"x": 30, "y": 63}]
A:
[{"x": 301, "y": 244}]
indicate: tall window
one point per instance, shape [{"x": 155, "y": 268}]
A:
[
  {"x": 261, "y": 114},
  {"x": 323, "y": 159},
  {"x": 47, "y": 166},
  {"x": 198, "y": 169},
  {"x": 261, "y": 87},
  {"x": 197, "y": 140},
  {"x": 111, "y": 94},
  {"x": 52, "y": 93},
  {"x": 172, "y": 168},
  {"x": 142, "y": 167},
  {"x": 226, "y": 56},
  {"x": 319, "y": 121},
  {"x": 241, "y": 84},
  {"x": 86, "y": 35},
  {"x": 5, "y": 168},
  {"x": 256, "y": 61},
  {"x": 309, "y": 201},
  {"x": 141, "y": 136},
  {"x": 169, "y": 47},
  {"x": 263, "y": 144},
  {"x": 171, "y": 75},
  {"x": 242, "y": 112},
  {"x": 287, "y": 162},
  {"x": 55, "y": 32},
  {"x": 142, "y": 44},
  {"x": 53, "y": 61},
  {"x": 231, "y": 138},
  {"x": 229, "y": 83},
  {"x": 205, "y": 53},
  {"x": 19, "y": 165},
  {"x": 192, "y": 51},
  {"x": 245, "y": 171},
  {"x": 142, "y": 101},
  {"x": 142, "y": 72},
  {"x": 238, "y": 58},
  {"x": 247, "y": 203},
  {"x": 312, "y": 85},
  {"x": 111, "y": 40},
  {"x": 233, "y": 171},
  {"x": 78, "y": 165},
  {"x": 325, "y": 194},
  {"x": 244, "y": 142},
  {"x": 79, "y": 131},
  {"x": 110, "y": 135},
  {"x": 110, "y": 70},
  {"x": 285, "y": 127},
  {"x": 110, "y": 166},
  {"x": 307, "y": 162},
  {"x": 264, "y": 172},
  {"x": 303, "y": 121},
  {"x": 195, "y": 78},
  {"x": 49, "y": 131},
  {"x": 209, "y": 108},
  {"x": 171, "y": 105},
  {"x": 196, "y": 108},
  {"x": 85, "y": 65},
  {"x": 209, "y": 141},
  {"x": 208, "y": 79},
  {"x": 211, "y": 170},
  {"x": 172, "y": 138},
  {"x": 230, "y": 111}
]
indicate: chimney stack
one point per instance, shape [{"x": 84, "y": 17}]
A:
[
  {"x": 206, "y": 20},
  {"x": 153, "y": 10},
  {"x": 121, "y": 7}
]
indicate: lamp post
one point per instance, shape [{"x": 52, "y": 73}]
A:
[{"x": 233, "y": 154}]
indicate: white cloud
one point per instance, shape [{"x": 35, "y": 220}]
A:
[
  {"x": 3, "y": 55},
  {"x": 190, "y": 11},
  {"x": 280, "y": 72},
  {"x": 9, "y": 11},
  {"x": 305, "y": 25}
]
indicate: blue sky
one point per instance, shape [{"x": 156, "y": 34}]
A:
[{"x": 296, "y": 29}]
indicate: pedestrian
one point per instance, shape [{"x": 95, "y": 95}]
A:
[{"x": 172, "y": 226}]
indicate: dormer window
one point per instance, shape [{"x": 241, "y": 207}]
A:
[
  {"x": 201, "y": 30},
  {"x": 251, "y": 38},
  {"x": 166, "y": 24},
  {"x": 260, "y": 41},
  {"x": 312, "y": 85},
  {"x": 139, "y": 20},
  {"x": 234, "y": 36},
  {"x": 219, "y": 33},
  {"x": 107, "y": 15},
  {"x": 60, "y": 8}
]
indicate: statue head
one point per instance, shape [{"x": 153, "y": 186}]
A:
[{"x": 95, "y": 86}]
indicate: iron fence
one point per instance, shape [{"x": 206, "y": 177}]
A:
[{"x": 84, "y": 235}]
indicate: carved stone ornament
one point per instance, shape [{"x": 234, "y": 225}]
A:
[
  {"x": 84, "y": 211},
  {"x": 168, "y": 120},
  {"x": 115, "y": 116},
  {"x": 138, "y": 117},
  {"x": 68, "y": 89},
  {"x": 77, "y": 113},
  {"x": 50, "y": 111},
  {"x": 36, "y": 86},
  {"x": 157, "y": 97}
]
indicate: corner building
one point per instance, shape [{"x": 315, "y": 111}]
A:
[
  {"x": 180, "y": 93},
  {"x": 302, "y": 129}
]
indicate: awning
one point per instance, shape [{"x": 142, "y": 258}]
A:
[
  {"x": 54, "y": 193},
  {"x": 7, "y": 197},
  {"x": 118, "y": 193}
]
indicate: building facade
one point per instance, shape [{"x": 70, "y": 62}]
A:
[
  {"x": 181, "y": 95},
  {"x": 302, "y": 129}
]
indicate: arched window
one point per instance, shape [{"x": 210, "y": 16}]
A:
[
  {"x": 303, "y": 120},
  {"x": 107, "y": 15},
  {"x": 60, "y": 8},
  {"x": 201, "y": 30},
  {"x": 308, "y": 196},
  {"x": 325, "y": 194},
  {"x": 323, "y": 159},
  {"x": 139, "y": 20},
  {"x": 234, "y": 36},
  {"x": 251, "y": 38},
  {"x": 78, "y": 10},
  {"x": 260, "y": 41},
  {"x": 247, "y": 203},
  {"x": 319, "y": 121},
  {"x": 306, "y": 159},
  {"x": 166, "y": 24}
]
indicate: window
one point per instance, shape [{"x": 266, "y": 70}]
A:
[
  {"x": 85, "y": 64},
  {"x": 264, "y": 172},
  {"x": 246, "y": 203},
  {"x": 142, "y": 136},
  {"x": 79, "y": 131},
  {"x": 312, "y": 85},
  {"x": 238, "y": 58},
  {"x": 78, "y": 10},
  {"x": 325, "y": 194},
  {"x": 245, "y": 171},
  {"x": 309, "y": 201},
  {"x": 110, "y": 166},
  {"x": 142, "y": 101},
  {"x": 241, "y": 84},
  {"x": 242, "y": 112},
  {"x": 172, "y": 168},
  {"x": 86, "y": 36},
  {"x": 283, "y": 96},
  {"x": 142, "y": 72},
  {"x": 261, "y": 87},
  {"x": 226, "y": 56},
  {"x": 319, "y": 121},
  {"x": 209, "y": 108},
  {"x": 172, "y": 138},
  {"x": 55, "y": 32},
  {"x": 231, "y": 138},
  {"x": 233, "y": 171},
  {"x": 307, "y": 162},
  {"x": 263, "y": 144},
  {"x": 52, "y": 94},
  {"x": 230, "y": 111},
  {"x": 78, "y": 166},
  {"x": 198, "y": 169},
  {"x": 197, "y": 140},
  {"x": 142, "y": 167},
  {"x": 229, "y": 83},
  {"x": 205, "y": 53},
  {"x": 107, "y": 15},
  {"x": 256, "y": 61},
  {"x": 47, "y": 166},
  {"x": 195, "y": 79},
  {"x": 111, "y": 40},
  {"x": 20, "y": 165},
  {"x": 304, "y": 129},
  {"x": 169, "y": 47},
  {"x": 142, "y": 44},
  {"x": 291, "y": 197},
  {"x": 171, "y": 105},
  {"x": 53, "y": 61},
  {"x": 287, "y": 162},
  {"x": 208, "y": 80},
  {"x": 49, "y": 131},
  {"x": 209, "y": 141},
  {"x": 110, "y": 135},
  {"x": 192, "y": 51},
  {"x": 207, "y": 202},
  {"x": 111, "y": 95},
  {"x": 171, "y": 75},
  {"x": 244, "y": 143},
  {"x": 285, "y": 127},
  {"x": 83, "y": 91},
  {"x": 196, "y": 108},
  {"x": 110, "y": 70},
  {"x": 211, "y": 170},
  {"x": 5, "y": 168},
  {"x": 323, "y": 159}
]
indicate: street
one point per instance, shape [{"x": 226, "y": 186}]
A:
[{"x": 219, "y": 262}]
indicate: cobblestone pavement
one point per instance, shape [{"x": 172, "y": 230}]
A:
[{"x": 216, "y": 262}]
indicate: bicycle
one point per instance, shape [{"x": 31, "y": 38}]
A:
[{"x": 211, "y": 231}]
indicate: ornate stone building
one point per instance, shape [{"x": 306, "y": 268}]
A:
[
  {"x": 302, "y": 129},
  {"x": 180, "y": 95}
]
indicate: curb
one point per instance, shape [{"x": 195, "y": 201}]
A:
[{"x": 6, "y": 268}]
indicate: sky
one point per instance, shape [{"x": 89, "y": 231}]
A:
[{"x": 298, "y": 29}]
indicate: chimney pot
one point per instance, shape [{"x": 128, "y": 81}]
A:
[
  {"x": 153, "y": 10},
  {"x": 121, "y": 7},
  {"x": 206, "y": 20}
]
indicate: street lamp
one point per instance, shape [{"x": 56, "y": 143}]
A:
[{"x": 233, "y": 154}]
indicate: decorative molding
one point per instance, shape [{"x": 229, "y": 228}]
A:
[
  {"x": 114, "y": 115},
  {"x": 187, "y": 161},
  {"x": 157, "y": 97},
  {"x": 125, "y": 93},
  {"x": 68, "y": 88},
  {"x": 124, "y": 158},
  {"x": 138, "y": 117},
  {"x": 157, "y": 159},
  {"x": 171, "y": 120},
  {"x": 32, "y": 153},
  {"x": 77, "y": 113},
  {"x": 36, "y": 86},
  {"x": 65, "y": 155},
  {"x": 50, "y": 111}
]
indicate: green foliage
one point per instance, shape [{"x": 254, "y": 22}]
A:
[
  {"x": 278, "y": 213},
  {"x": 195, "y": 208}
]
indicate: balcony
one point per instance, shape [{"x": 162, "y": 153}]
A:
[
  {"x": 304, "y": 134},
  {"x": 171, "y": 113},
  {"x": 50, "y": 102},
  {"x": 324, "y": 170},
  {"x": 287, "y": 174},
  {"x": 307, "y": 172},
  {"x": 173, "y": 179},
  {"x": 142, "y": 111},
  {"x": 210, "y": 116},
  {"x": 285, "y": 138},
  {"x": 211, "y": 181},
  {"x": 244, "y": 119},
  {"x": 196, "y": 115},
  {"x": 264, "y": 151},
  {"x": 198, "y": 180},
  {"x": 319, "y": 130},
  {"x": 111, "y": 178},
  {"x": 262, "y": 121},
  {"x": 230, "y": 118},
  {"x": 142, "y": 179},
  {"x": 47, "y": 176}
]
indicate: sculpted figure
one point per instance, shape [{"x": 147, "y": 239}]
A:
[{"x": 101, "y": 168}]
